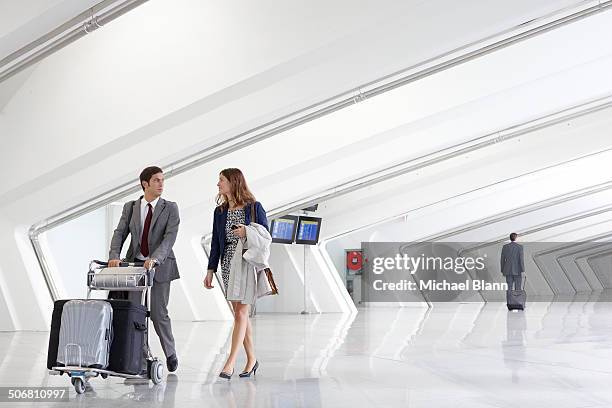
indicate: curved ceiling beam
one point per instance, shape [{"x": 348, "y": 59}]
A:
[
  {"x": 555, "y": 223},
  {"x": 591, "y": 249},
  {"x": 448, "y": 153}
]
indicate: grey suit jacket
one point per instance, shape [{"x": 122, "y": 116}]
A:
[
  {"x": 162, "y": 234},
  {"x": 512, "y": 261}
]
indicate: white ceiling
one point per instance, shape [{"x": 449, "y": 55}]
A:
[
  {"x": 148, "y": 79},
  {"x": 22, "y": 22},
  {"x": 16, "y": 14}
]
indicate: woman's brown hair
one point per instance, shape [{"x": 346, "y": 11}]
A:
[{"x": 239, "y": 189}]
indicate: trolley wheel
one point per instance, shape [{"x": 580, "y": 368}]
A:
[
  {"x": 156, "y": 371},
  {"x": 79, "y": 385}
]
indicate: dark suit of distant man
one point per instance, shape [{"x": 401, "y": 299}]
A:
[{"x": 512, "y": 264}]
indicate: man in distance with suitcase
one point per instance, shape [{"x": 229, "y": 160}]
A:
[
  {"x": 153, "y": 224},
  {"x": 512, "y": 263}
]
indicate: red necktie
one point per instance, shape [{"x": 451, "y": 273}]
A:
[{"x": 144, "y": 243}]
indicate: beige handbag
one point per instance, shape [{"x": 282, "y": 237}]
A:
[{"x": 265, "y": 283}]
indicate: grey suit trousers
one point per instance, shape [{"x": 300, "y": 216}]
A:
[
  {"x": 514, "y": 279},
  {"x": 160, "y": 294}
]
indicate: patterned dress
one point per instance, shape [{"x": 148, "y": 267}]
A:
[{"x": 231, "y": 240}]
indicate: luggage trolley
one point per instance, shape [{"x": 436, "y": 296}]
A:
[{"x": 127, "y": 277}]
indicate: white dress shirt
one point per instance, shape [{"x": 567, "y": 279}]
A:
[{"x": 143, "y": 215}]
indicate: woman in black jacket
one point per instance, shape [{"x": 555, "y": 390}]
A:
[{"x": 233, "y": 212}]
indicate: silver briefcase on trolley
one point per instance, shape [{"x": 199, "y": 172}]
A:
[{"x": 119, "y": 277}]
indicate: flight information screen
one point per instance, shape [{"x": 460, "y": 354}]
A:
[
  {"x": 309, "y": 229},
  {"x": 283, "y": 229}
]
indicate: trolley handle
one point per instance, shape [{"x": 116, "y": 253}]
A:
[{"x": 122, "y": 264}]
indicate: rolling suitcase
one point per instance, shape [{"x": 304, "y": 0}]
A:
[
  {"x": 85, "y": 333},
  {"x": 515, "y": 299},
  {"x": 127, "y": 353}
]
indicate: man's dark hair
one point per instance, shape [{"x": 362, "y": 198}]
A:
[
  {"x": 147, "y": 173},
  {"x": 513, "y": 236}
]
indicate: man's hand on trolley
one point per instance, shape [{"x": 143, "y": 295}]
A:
[
  {"x": 113, "y": 263},
  {"x": 150, "y": 264}
]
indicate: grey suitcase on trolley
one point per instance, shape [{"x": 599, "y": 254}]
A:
[{"x": 85, "y": 333}]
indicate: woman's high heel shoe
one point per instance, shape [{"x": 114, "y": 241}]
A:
[
  {"x": 248, "y": 373},
  {"x": 225, "y": 375}
]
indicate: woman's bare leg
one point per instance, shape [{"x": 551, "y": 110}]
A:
[
  {"x": 249, "y": 347},
  {"x": 241, "y": 318}
]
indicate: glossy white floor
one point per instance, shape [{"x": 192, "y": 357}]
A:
[{"x": 453, "y": 355}]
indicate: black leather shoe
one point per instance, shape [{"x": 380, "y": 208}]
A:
[
  {"x": 248, "y": 373},
  {"x": 225, "y": 375},
  {"x": 172, "y": 363}
]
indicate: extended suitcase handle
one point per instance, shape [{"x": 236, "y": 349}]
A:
[{"x": 66, "y": 354}]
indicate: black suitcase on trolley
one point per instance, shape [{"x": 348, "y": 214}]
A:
[
  {"x": 127, "y": 353},
  {"x": 56, "y": 322}
]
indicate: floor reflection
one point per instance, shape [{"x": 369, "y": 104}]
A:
[
  {"x": 470, "y": 354},
  {"x": 513, "y": 347}
]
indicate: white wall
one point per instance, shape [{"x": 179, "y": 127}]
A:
[
  {"x": 324, "y": 289},
  {"x": 71, "y": 246}
]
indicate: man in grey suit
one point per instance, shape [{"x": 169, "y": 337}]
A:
[
  {"x": 512, "y": 262},
  {"x": 153, "y": 225}
]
